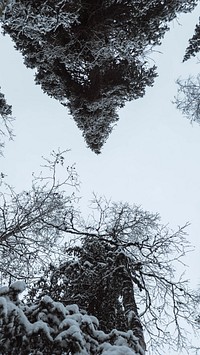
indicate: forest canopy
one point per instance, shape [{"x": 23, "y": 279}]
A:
[
  {"x": 92, "y": 57},
  {"x": 106, "y": 284}
]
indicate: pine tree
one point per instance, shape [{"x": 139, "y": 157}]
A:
[
  {"x": 194, "y": 44},
  {"x": 91, "y": 56},
  {"x": 101, "y": 282},
  {"x": 48, "y": 327}
]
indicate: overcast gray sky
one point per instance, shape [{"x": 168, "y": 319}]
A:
[{"x": 151, "y": 157}]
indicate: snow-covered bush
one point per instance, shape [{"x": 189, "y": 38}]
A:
[{"x": 49, "y": 327}]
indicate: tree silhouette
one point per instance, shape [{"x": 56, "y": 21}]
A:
[{"x": 194, "y": 44}]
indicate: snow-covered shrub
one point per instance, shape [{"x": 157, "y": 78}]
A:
[{"x": 49, "y": 327}]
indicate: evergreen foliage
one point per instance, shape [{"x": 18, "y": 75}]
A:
[
  {"x": 91, "y": 56},
  {"x": 48, "y": 327},
  {"x": 5, "y": 109},
  {"x": 115, "y": 291},
  {"x": 194, "y": 44}
]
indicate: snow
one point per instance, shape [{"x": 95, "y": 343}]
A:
[
  {"x": 117, "y": 350},
  {"x": 67, "y": 322},
  {"x": 94, "y": 321},
  {"x": 4, "y": 290},
  {"x": 56, "y": 306},
  {"x": 72, "y": 308},
  {"x": 87, "y": 264},
  {"x": 3, "y": 307},
  {"x": 40, "y": 325},
  {"x": 72, "y": 332},
  {"x": 18, "y": 286},
  {"x": 57, "y": 325}
]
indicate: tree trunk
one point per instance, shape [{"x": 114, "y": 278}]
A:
[{"x": 131, "y": 311}]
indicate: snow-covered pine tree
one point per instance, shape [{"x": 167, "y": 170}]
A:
[
  {"x": 194, "y": 44},
  {"x": 92, "y": 56},
  {"x": 48, "y": 327}
]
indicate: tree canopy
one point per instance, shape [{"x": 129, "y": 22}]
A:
[
  {"x": 125, "y": 264},
  {"x": 120, "y": 262},
  {"x": 92, "y": 57},
  {"x": 29, "y": 240},
  {"x": 106, "y": 285}
]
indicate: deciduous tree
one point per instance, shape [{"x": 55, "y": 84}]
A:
[
  {"x": 123, "y": 273},
  {"x": 188, "y": 98},
  {"x": 29, "y": 237}
]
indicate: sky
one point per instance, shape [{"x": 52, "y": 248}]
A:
[{"x": 150, "y": 159}]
